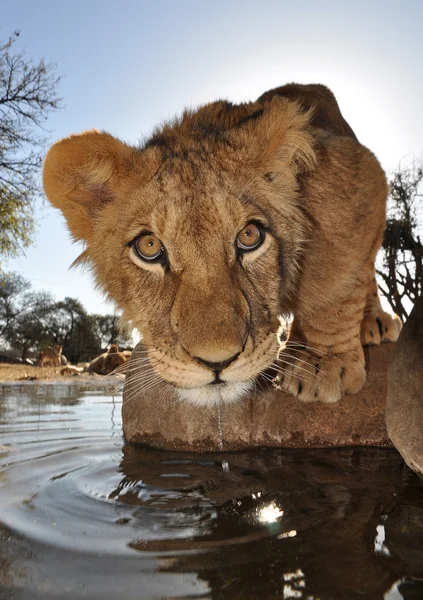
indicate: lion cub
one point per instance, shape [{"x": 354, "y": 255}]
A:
[
  {"x": 224, "y": 220},
  {"x": 51, "y": 356}
]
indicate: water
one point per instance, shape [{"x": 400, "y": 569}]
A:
[{"x": 82, "y": 516}]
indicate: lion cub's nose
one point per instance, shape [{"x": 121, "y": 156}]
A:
[{"x": 217, "y": 367}]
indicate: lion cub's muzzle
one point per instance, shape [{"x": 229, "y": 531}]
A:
[{"x": 202, "y": 381}]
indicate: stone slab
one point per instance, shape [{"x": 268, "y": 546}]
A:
[{"x": 268, "y": 417}]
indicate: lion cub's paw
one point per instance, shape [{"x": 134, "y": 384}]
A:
[
  {"x": 380, "y": 327},
  {"x": 313, "y": 378}
]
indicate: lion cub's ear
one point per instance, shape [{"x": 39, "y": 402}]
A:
[
  {"x": 278, "y": 137},
  {"x": 81, "y": 174}
]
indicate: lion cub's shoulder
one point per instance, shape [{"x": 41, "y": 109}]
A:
[{"x": 326, "y": 112}]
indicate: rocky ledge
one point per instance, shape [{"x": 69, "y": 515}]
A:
[{"x": 268, "y": 417}]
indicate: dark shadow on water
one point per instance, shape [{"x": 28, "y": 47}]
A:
[{"x": 303, "y": 524}]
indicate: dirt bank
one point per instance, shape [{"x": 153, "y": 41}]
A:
[{"x": 12, "y": 372}]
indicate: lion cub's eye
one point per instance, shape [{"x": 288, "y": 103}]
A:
[
  {"x": 250, "y": 238},
  {"x": 148, "y": 247}
]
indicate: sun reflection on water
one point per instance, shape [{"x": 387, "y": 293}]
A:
[{"x": 270, "y": 513}]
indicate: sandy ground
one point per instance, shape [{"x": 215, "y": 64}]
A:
[{"x": 9, "y": 372}]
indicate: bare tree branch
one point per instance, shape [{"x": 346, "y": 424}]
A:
[
  {"x": 402, "y": 249},
  {"x": 27, "y": 96}
]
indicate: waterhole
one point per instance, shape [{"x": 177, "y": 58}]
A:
[{"x": 84, "y": 516}]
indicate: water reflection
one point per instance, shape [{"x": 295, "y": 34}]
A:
[{"x": 85, "y": 516}]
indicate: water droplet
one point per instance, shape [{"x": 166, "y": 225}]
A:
[{"x": 219, "y": 427}]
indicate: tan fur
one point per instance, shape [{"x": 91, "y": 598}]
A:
[
  {"x": 51, "y": 356},
  {"x": 96, "y": 365},
  {"x": 108, "y": 361},
  {"x": 71, "y": 370},
  {"x": 113, "y": 359},
  {"x": 289, "y": 161}
]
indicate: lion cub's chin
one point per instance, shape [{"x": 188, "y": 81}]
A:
[{"x": 208, "y": 395}]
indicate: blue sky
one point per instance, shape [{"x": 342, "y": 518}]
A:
[{"x": 128, "y": 65}]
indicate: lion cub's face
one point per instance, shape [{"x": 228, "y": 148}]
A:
[
  {"x": 194, "y": 269},
  {"x": 194, "y": 238}
]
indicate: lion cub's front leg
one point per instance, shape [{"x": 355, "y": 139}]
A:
[
  {"x": 317, "y": 374},
  {"x": 377, "y": 325},
  {"x": 323, "y": 358}
]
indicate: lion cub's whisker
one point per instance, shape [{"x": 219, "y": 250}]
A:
[
  {"x": 277, "y": 366},
  {"x": 143, "y": 381},
  {"x": 134, "y": 364},
  {"x": 306, "y": 376},
  {"x": 291, "y": 363},
  {"x": 308, "y": 364},
  {"x": 146, "y": 374},
  {"x": 117, "y": 390},
  {"x": 264, "y": 375},
  {"x": 300, "y": 350},
  {"x": 258, "y": 385},
  {"x": 142, "y": 361},
  {"x": 139, "y": 389},
  {"x": 144, "y": 378},
  {"x": 305, "y": 362},
  {"x": 141, "y": 384},
  {"x": 295, "y": 376},
  {"x": 165, "y": 391},
  {"x": 307, "y": 355},
  {"x": 144, "y": 370},
  {"x": 120, "y": 369},
  {"x": 295, "y": 344}
]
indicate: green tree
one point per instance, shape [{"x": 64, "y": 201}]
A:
[
  {"x": 31, "y": 321},
  {"x": 24, "y": 313},
  {"x": 110, "y": 331},
  {"x": 13, "y": 291},
  {"x": 27, "y": 96},
  {"x": 75, "y": 330},
  {"x": 401, "y": 276},
  {"x": 29, "y": 328}
]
